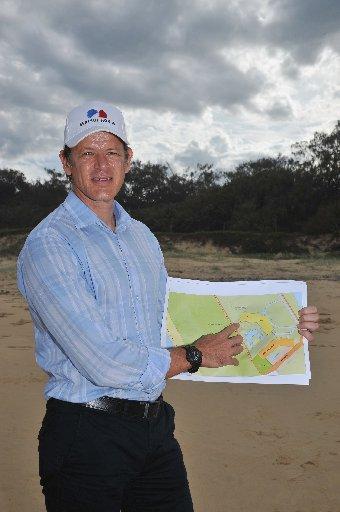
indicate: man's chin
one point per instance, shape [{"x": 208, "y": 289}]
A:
[{"x": 105, "y": 196}]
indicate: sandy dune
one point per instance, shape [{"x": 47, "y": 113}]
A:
[{"x": 248, "y": 448}]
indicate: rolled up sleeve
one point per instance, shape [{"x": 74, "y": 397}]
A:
[{"x": 157, "y": 367}]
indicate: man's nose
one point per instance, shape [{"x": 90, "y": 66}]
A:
[{"x": 100, "y": 161}]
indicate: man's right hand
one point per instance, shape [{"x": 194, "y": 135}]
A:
[
  {"x": 217, "y": 350},
  {"x": 221, "y": 348}
]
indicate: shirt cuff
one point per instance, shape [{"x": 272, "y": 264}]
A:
[{"x": 158, "y": 365}]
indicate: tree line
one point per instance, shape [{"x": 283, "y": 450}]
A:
[{"x": 296, "y": 193}]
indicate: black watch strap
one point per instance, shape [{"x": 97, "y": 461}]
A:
[{"x": 194, "y": 357}]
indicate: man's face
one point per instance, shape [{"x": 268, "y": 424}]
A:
[{"x": 98, "y": 166}]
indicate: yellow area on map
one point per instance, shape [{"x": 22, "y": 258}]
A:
[
  {"x": 255, "y": 318},
  {"x": 173, "y": 332},
  {"x": 286, "y": 342}
]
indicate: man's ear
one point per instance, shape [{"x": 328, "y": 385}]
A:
[
  {"x": 65, "y": 163},
  {"x": 128, "y": 160}
]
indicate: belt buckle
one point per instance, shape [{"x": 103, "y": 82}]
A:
[
  {"x": 157, "y": 407},
  {"x": 146, "y": 410},
  {"x": 152, "y": 409}
]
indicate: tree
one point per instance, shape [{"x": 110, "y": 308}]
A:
[
  {"x": 12, "y": 184},
  {"x": 320, "y": 158}
]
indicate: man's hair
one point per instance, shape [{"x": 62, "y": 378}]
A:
[{"x": 67, "y": 153}]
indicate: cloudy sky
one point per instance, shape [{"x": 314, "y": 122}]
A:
[{"x": 215, "y": 81}]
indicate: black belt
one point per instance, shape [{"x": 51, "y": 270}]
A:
[{"x": 132, "y": 408}]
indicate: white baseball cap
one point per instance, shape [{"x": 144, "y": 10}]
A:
[{"x": 95, "y": 116}]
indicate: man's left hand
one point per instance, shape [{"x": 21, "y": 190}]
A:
[{"x": 308, "y": 322}]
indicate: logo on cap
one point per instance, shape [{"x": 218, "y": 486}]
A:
[
  {"x": 96, "y": 116},
  {"x": 92, "y": 112}
]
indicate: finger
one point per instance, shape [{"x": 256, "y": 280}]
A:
[
  {"x": 234, "y": 361},
  {"x": 308, "y": 309},
  {"x": 308, "y": 335},
  {"x": 235, "y": 340},
  {"x": 311, "y": 326},
  {"x": 230, "y": 329},
  {"x": 237, "y": 350},
  {"x": 233, "y": 328},
  {"x": 313, "y": 317}
]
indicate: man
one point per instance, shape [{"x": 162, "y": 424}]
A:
[{"x": 94, "y": 279}]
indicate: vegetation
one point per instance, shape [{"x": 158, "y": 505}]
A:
[{"x": 276, "y": 196}]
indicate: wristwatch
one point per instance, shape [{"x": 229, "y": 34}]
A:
[{"x": 194, "y": 357}]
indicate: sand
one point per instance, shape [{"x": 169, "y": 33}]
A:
[{"x": 247, "y": 448}]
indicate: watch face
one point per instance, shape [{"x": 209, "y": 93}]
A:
[{"x": 194, "y": 357}]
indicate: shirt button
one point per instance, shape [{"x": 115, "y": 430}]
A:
[{"x": 137, "y": 297}]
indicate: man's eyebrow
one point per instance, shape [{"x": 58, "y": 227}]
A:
[{"x": 86, "y": 148}]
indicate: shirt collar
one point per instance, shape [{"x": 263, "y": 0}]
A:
[{"x": 84, "y": 216}]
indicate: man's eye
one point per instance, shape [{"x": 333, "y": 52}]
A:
[
  {"x": 113, "y": 153},
  {"x": 87, "y": 153}
]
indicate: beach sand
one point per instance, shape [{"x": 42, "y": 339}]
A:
[{"x": 247, "y": 448}]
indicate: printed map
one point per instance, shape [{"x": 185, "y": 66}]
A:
[{"x": 268, "y": 324}]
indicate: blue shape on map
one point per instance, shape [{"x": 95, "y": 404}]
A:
[
  {"x": 251, "y": 336},
  {"x": 91, "y": 112}
]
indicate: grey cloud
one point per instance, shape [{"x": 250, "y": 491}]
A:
[
  {"x": 157, "y": 55},
  {"x": 279, "y": 110},
  {"x": 247, "y": 156},
  {"x": 25, "y": 132},
  {"x": 220, "y": 25},
  {"x": 290, "y": 69},
  {"x": 194, "y": 154},
  {"x": 219, "y": 144},
  {"x": 305, "y": 27},
  {"x": 161, "y": 146},
  {"x": 131, "y": 33},
  {"x": 131, "y": 53},
  {"x": 212, "y": 153}
]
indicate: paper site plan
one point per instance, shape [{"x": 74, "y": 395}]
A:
[{"x": 267, "y": 311}]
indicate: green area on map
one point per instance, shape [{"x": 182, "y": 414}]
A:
[{"x": 268, "y": 324}]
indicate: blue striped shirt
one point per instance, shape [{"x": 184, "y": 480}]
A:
[{"x": 96, "y": 298}]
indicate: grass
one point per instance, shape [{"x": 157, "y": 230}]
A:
[
  {"x": 11, "y": 242},
  {"x": 197, "y": 251},
  {"x": 11, "y": 245},
  {"x": 13, "y": 231}
]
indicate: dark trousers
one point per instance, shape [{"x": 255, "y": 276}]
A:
[{"x": 94, "y": 461}]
